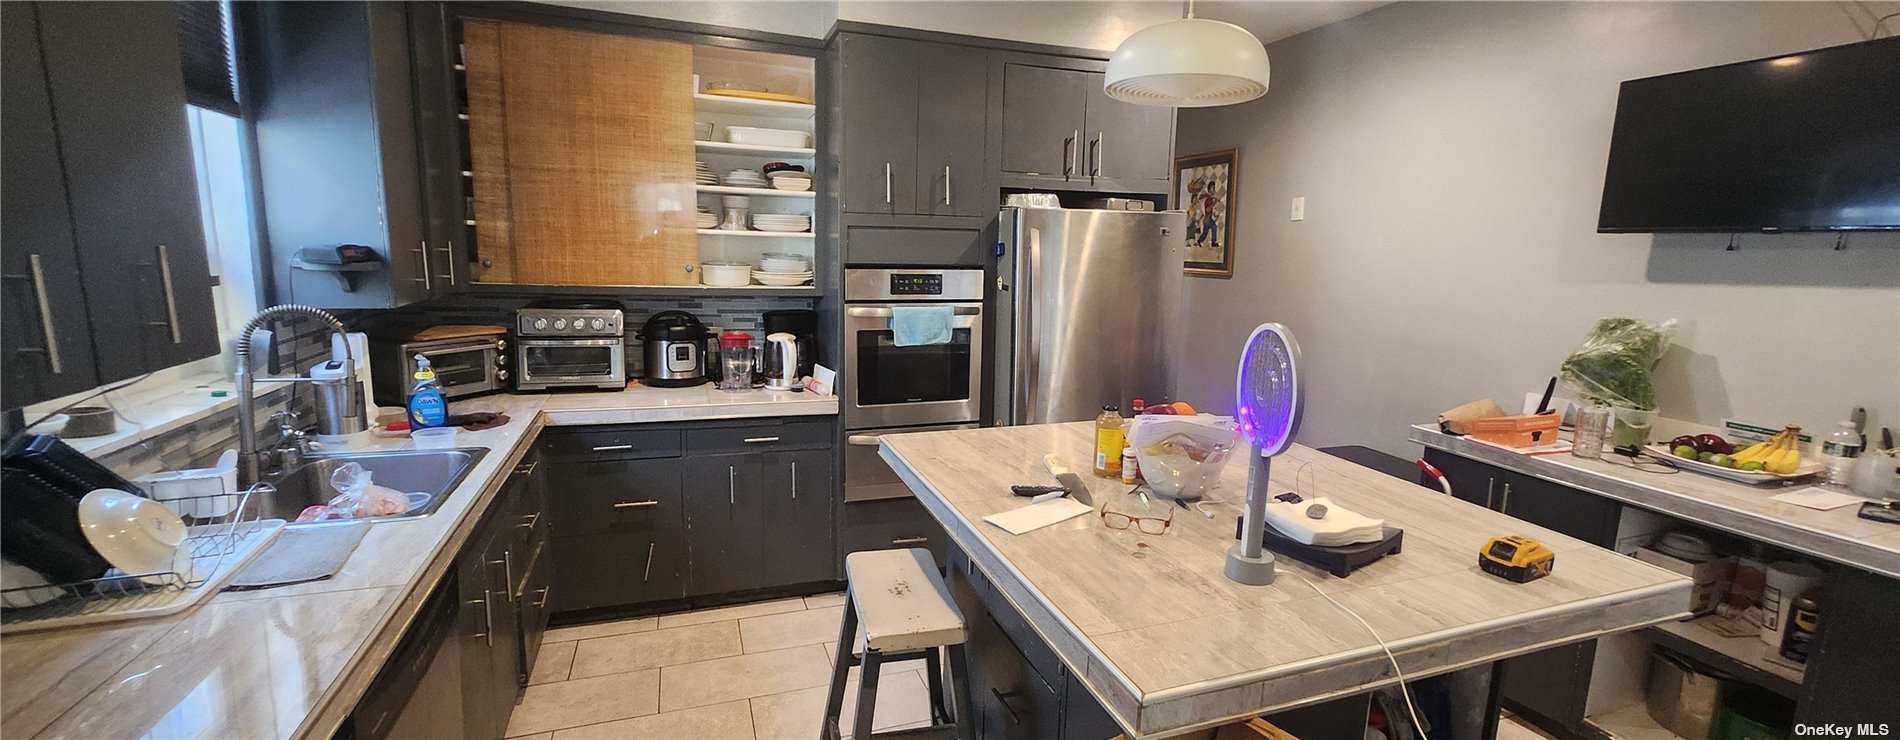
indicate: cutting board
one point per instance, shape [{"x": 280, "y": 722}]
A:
[{"x": 456, "y": 331}]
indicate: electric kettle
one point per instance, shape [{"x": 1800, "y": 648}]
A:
[{"x": 781, "y": 362}]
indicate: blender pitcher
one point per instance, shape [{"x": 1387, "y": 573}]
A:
[{"x": 736, "y": 352}]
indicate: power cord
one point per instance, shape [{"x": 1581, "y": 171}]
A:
[{"x": 1410, "y": 708}]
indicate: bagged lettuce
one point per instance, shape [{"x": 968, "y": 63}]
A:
[{"x": 1614, "y": 365}]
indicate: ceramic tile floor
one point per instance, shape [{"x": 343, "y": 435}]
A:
[{"x": 749, "y": 672}]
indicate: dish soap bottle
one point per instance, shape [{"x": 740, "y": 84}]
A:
[
  {"x": 427, "y": 407},
  {"x": 1108, "y": 443}
]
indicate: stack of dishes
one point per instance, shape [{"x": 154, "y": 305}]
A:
[
  {"x": 789, "y": 223},
  {"x": 790, "y": 180},
  {"x": 745, "y": 178},
  {"x": 706, "y": 219},
  {"x": 703, "y": 175},
  {"x": 783, "y": 269}
]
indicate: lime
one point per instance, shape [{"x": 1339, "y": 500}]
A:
[
  {"x": 1753, "y": 466},
  {"x": 1722, "y": 460},
  {"x": 1685, "y": 451},
  {"x": 1707, "y": 457}
]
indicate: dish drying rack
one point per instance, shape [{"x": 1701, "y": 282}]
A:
[{"x": 220, "y": 547}]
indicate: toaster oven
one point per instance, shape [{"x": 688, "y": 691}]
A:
[{"x": 464, "y": 366}]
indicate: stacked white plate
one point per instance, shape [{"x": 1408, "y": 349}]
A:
[
  {"x": 703, "y": 175},
  {"x": 791, "y": 181},
  {"x": 706, "y": 219},
  {"x": 783, "y": 269},
  {"x": 745, "y": 178},
  {"x": 782, "y": 222}
]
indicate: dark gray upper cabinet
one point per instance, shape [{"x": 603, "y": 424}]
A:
[
  {"x": 1043, "y": 117},
  {"x": 912, "y": 115},
  {"x": 797, "y": 490},
  {"x": 43, "y": 322},
  {"x": 344, "y": 151},
  {"x": 1126, "y": 143},
  {"x": 1058, "y": 126},
  {"x": 99, "y": 186}
]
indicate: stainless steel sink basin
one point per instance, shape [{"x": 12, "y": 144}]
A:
[{"x": 435, "y": 473}]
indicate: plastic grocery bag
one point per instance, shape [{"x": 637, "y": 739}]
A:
[
  {"x": 1613, "y": 366},
  {"x": 357, "y": 497},
  {"x": 1181, "y": 456}
]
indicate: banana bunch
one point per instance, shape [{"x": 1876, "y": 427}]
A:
[{"x": 1781, "y": 454}]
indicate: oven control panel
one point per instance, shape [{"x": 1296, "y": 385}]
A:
[
  {"x": 577, "y": 322},
  {"x": 916, "y": 283}
]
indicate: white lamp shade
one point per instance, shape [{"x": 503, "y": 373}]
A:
[{"x": 1189, "y": 63}]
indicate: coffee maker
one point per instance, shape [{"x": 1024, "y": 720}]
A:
[{"x": 803, "y": 326}]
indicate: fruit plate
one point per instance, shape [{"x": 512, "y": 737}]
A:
[{"x": 1805, "y": 469}]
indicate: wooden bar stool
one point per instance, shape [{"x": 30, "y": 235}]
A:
[{"x": 906, "y": 614}]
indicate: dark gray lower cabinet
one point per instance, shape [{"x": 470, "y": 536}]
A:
[
  {"x": 617, "y": 532},
  {"x": 725, "y": 523},
  {"x": 491, "y": 654},
  {"x": 888, "y": 523},
  {"x": 797, "y": 498}
]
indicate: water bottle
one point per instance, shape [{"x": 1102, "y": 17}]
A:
[{"x": 1839, "y": 451}]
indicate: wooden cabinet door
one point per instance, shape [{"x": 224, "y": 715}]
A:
[
  {"x": 1126, "y": 143},
  {"x": 725, "y": 523},
  {"x": 43, "y": 322},
  {"x": 118, "y": 96},
  {"x": 796, "y": 498},
  {"x": 952, "y": 119},
  {"x": 1043, "y": 110},
  {"x": 582, "y": 149},
  {"x": 879, "y": 104}
]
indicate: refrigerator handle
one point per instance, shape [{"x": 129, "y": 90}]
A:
[{"x": 1027, "y": 338}]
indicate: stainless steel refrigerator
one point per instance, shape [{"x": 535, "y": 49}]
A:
[{"x": 1088, "y": 311}]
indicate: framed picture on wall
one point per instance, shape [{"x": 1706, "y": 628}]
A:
[{"x": 1205, "y": 185}]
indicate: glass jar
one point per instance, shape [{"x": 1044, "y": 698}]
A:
[
  {"x": 1593, "y": 429},
  {"x": 737, "y": 350}
]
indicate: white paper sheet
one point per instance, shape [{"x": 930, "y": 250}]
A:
[
  {"x": 1038, "y": 515},
  {"x": 1818, "y": 498}
]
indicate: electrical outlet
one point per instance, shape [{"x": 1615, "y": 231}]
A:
[{"x": 1299, "y": 209}]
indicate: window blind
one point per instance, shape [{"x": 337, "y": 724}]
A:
[{"x": 204, "y": 41}]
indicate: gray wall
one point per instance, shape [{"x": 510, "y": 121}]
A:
[
  {"x": 1452, "y": 156},
  {"x": 1090, "y": 24}
]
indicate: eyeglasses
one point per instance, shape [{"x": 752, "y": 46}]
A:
[{"x": 1143, "y": 524}]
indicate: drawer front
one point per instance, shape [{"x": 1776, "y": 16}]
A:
[
  {"x": 908, "y": 246},
  {"x": 753, "y": 436},
  {"x": 1036, "y": 652},
  {"x": 623, "y": 497},
  {"x": 610, "y": 443},
  {"x": 613, "y": 570},
  {"x": 891, "y": 523}
]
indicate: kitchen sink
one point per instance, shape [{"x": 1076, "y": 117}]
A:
[{"x": 431, "y": 473}]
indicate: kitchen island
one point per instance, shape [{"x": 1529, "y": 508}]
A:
[{"x": 1156, "y": 634}]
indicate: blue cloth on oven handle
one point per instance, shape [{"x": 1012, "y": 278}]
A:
[{"x": 913, "y": 326}]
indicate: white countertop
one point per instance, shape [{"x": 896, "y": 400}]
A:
[
  {"x": 1838, "y": 535},
  {"x": 294, "y": 661}
]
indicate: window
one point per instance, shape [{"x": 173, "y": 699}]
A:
[{"x": 224, "y": 201}]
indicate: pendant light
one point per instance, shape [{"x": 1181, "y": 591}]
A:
[{"x": 1189, "y": 63}]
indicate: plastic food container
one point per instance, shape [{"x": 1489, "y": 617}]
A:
[
  {"x": 752, "y": 136},
  {"x": 1182, "y": 456},
  {"x": 435, "y": 438},
  {"x": 200, "y": 493}
]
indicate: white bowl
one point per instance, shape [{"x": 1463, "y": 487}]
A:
[
  {"x": 792, "y": 184},
  {"x": 136, "y": 535},
  {"x": 724, "y": 275},
  {"x": 752, "y": 136},
  {"x": 782, "y": 281}
]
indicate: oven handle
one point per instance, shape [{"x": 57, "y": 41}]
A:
[
  {"x": 863, "y": 440},
  {"x": 868, "y": 312}
]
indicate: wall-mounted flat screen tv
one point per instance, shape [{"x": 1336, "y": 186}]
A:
[{"x": 1802, "y": 142}]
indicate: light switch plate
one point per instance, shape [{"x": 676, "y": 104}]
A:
[{"x": 1299, "y": 209}]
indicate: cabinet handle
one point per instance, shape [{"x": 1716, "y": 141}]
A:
[
  {"x": 1095, "y": 155},
  {"x": 544, "y": 596},
  {"x": 910, "y": 541},
  {"x": 528, "y": 468},
  {"x": 449, "y": 252},
  {"x": 1489, "y": 484},
  {"x": 863, "y": 440},
  {"x": 635, "y": 504},
  {"x": 611, "y": 448},
  {"x": 46, "y": 316},
  {"x": 488, "y": 619},
  {"x": 760, "y": 440},
  {"x": 530, "y": 520},
  {"x": 171, "y": 298},
  {"x": 507, "y": 564},
  {"x": 648, "y": 575},
  {"x": 946, "y": 184},
  {"x": 1506, "y": 503},
  {"x": 887, "y": 183},
  {"x": 732, "y": 485},
  {"x": 794, "y": 480},
  {"x": 1003, "y": 699},
  {"x": 1068, "y": 154},
  {"x": 426, "y": 269}
]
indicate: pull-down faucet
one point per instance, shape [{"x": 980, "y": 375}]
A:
[{"x": 342, "y": 417}]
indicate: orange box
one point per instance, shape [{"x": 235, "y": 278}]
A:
[{"x": 1517, "y": 431}]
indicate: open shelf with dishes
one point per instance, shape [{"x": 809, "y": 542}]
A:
[
  {"x": 756, "y": 192},
  {"x": 755, "y": 119}
]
